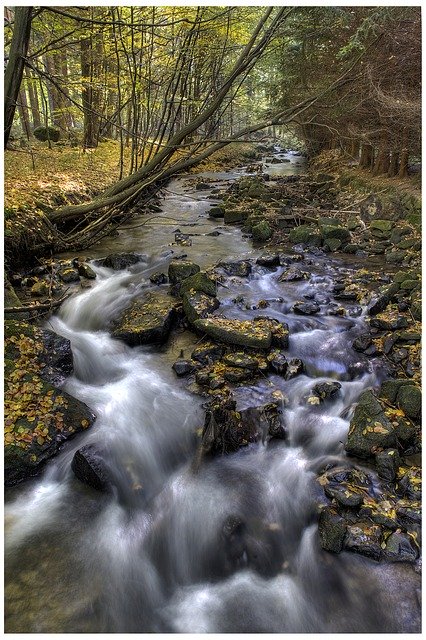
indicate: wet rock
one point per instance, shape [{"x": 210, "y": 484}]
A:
[
  {"x": 346, "y": 296},
  {"x": 370, "y": 430},
  {"x": 208, "y": 353},
  {"x": 146, "y": 321},
  {"x": 119, "y": 261},
  {"x": 370, "y": 208},
  {"x": 243, "y": 333},
  {"x": 56, "y": 359},
  {"x": 202, "y": 186},
  {"x": 89, "y": 466},
  {"x": 242, "y": 268},
  {"x": 199, "y": 282},
  {"x": 389, "y": 389},
  {"x": 408, "y": 514},
  {"x": 183, "y": 367},
  {"x": 224, "y": 431},
  {"x": 344, "y": 496},
  {"x": 158, "y": 278},
  {"x": 362, "y": 343},
  {"x": 217, "y": 212},
  {"x": 333, "y": 244},
  {"x": 306, "y": 308},
  {"x": 400, "y": 547},
  {"x": 409, "y": 399},
  {"x": 40, "y": 289},
  {"x": 326, "y": 390},
  {"x": 86, "y": 271},
  {"x": 334, "y": 232},
  {"x": 364, "y": 538},
  {"x": 269, "y": 260},
  {"x": 383, "y": 299},
  {"x": 237, "y": 374},
  {"x": 198, "y": 305},
  {"x": 179, "y": 270},
  {"x": 265, "y": 419},
  {"x": 382, "y": 225},
  {"x": 410, "y": 482},
  {"x": 261, "y": 231},
  {"x": 331, "y": 529},
  {"x": 277, "y": 362},
  {"x": 295, "y": 367},
  {"x": 280, "y": 331},
  {"x": 305, "y": 234},
  {"x": 234, "y": 216},
  {"x": 241, "y": 360},
  {"x": 68, "y": 274},
  {"x": 292, "y": 275},
  {"x": 387, "y": 464}
]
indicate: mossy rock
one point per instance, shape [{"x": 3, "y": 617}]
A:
[
  {"x": 409, "y": 399},
  {"x": 382, "y": 225},
  {"x": 370, "y": 430},
  {"x": 179, "y": 270},
  {"x": 389, "y": 389},
  {"x": 40, "y": 289},
  {"x": 47, "y": 133},
  {"x": 39, "y": 417},
  {"x": 147, "y": 321},
  {"x": 217, "y": 212},
  {"x": 86, "y": 271},
  {"x": 199, "y": 282},
  {"x": 395, "y": 257},
  {"x": 409, "y": 285},
  {"x": 261, "y": 231},
  {"x": 305, "y": 234},
  {"x": 334, "y": 232},
  {"x": 68, "y": 274},
  {"x": 235, "y": 216},
  {"x": 198, "y": 305},
  {"x": 333, "y": 244},
  {"x": 415, "y": 219},
  {"x": 331, "y": 529},
  {"x": 119, "y": 261},
  {"x": 242, "y": 333}
]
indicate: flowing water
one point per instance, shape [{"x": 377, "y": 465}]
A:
[{"x": 153, "y": 556}]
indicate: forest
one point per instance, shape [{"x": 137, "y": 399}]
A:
[{"x": 212, "y": 303}]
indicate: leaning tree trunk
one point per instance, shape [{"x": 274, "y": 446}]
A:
[{"x": 15, "y": 65}]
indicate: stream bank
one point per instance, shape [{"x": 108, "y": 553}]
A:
[{"x": 298, "y": 359}]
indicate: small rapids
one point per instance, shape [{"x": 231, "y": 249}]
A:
[{"x": 230, "y": 545}]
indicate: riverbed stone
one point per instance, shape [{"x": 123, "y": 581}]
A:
[
  {"x": 293, "y": 274},
  {"x": 332, "y": 530},
  {"x": 362, "y": 342},
  {"x": 326, "y": 390},
  {"x": 119, "y": 261},
  {"x": 89, "y": 466},
  {"x": 179, "y": 270},
  {"x": 39, "y": 417},
  {"x": 199, "y": 282},
  {"x": 305, "y": 234},
  {"x": 68, "y": 274},
  {"x": 331, "y": 231},
  {"x": 306, "y": 308},
  {"x": 261, "y": 232},
  {"x": 370, "y": 430},
  {"x": 198, "y": 305},
  {"x": 241, "y": 360},
  {"x": 382, "y": 301},
  {"x": 216, "y": 212},
  {"x": 400, "y": 547},
  {"x": 147, "y": 320},
  {"x": 364, "y": 538},
  {"x": 183, "y": 367},
  {"x": 294, "y": 368},
  {"x": 269, "y": 260},
  {"x": 235, "y": 216},
  {"x": 244, "y": 333},
  {"x": 240, "y": 268},
  {"x": 409, "y": 399},
  {"x": 387, "y": 464},
  {"x": 207, "y": 353},
  {"x": 86, "y": 271},
  {"x": 277, "y": 362},
  {"x": 224, "y": 431}
]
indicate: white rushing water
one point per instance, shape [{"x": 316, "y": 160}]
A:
[{"x": 154, "y": 557}]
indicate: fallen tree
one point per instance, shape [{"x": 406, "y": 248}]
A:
[{"x": 79, "y": 226}]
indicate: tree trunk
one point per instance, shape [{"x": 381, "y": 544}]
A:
[
  {"x": 32, "y": 92},
  {"x": 23, "y": 113},
  {"x": 355, "y": 145},
  {"x": 393, "y": 165},
  {"x": 89, "y": 95},
  {"x": 15, "y": 65},
  {"x": 403, "y": 167},
  {"x": 365, "y": 160},
  {"x": 381, "y": 165}
]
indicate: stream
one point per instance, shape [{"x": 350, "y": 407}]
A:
[{"x": 152, "y": 557}]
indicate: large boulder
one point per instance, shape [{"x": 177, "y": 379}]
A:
[
  {"x": 305, "y": 234},
  {"x": 244, "y": 333},
  {"x": 199, "y": 282},
  {"x": 118, "y": 261},
  {"x": 147, "y": 321},
  {"x": 47, "y": 133},
  {"x": 39, "y": 417},
  {"x": 370, "y": 430},
  {"x": 179, "y": 270}
]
